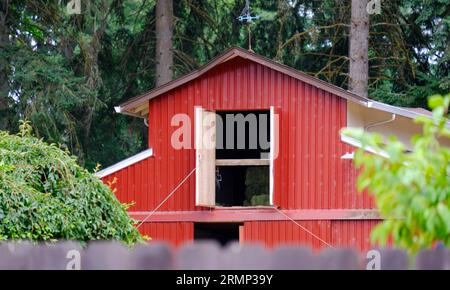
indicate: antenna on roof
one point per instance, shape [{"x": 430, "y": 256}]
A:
[{"x": 247, "y": 18}]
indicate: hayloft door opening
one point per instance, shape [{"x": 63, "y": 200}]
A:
[{"x": 235, "y": 157}]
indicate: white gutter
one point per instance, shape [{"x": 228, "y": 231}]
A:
[
  {"x": 355, "y": 143},
  {"x": 405, "y": 112},
  {"x": 119, "y": 110}
]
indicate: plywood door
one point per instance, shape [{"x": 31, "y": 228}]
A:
[{"x": 205, "y": 142}]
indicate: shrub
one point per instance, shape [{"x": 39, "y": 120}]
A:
[
  {"x": 46, "y": 196},
  {"x": 411, "y": 189}
]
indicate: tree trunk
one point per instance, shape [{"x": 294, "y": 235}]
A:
[
  {"x": 359, "y": 43},
  {"x": 164, "y": 45},
  {"x": 4, "y": 40}
]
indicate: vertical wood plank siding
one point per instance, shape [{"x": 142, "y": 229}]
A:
[
  {"x": 339, "y": 234},
  {"x": 309, "y": 173},
  {"x": 176, "y": 233}
]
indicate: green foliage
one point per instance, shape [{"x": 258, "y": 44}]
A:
[
  {"x": 65, "y": 73},
  {"x": 51, "y": 96},
  {"x": 411, "y": 189},
  {"x": 46, "y": 195}
]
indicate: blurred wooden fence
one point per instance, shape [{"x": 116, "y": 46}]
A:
[{"x": 208, "y": 256}]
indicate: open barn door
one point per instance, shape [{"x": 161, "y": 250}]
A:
[
  {"x": 205, "y": 150},
  {"x": 274, "y": 150}
]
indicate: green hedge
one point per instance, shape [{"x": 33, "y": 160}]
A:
[{"x": 46, "y": 195}]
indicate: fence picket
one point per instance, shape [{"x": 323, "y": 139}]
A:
[{"x": 207, "y": 255}]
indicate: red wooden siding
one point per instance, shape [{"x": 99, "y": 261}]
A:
[
  {"x": 337, "y": 233},
  {"x": 274, "y": 233},
  {"x": 353, "y": 234},
  {"x": 175, "y": 233},
  {"x": 309, "y": 173},
  {"x": 346, "y": 234}
]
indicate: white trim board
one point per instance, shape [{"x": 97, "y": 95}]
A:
[
  {"x": 125, "y": 163},
  {"x": 273, "y": 143},
  {"x": 355, "y": 143}
]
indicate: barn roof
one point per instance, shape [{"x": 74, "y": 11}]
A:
[{"x": 138, "y": 106}]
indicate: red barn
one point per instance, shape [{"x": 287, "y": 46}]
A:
[{"x": 194, "y": 182}]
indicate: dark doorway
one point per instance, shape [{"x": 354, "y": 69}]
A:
[
  {"x": 242, "y": 186},
  {"x": 255, "y": 143},
  {"x": 220, "y": 232}
]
